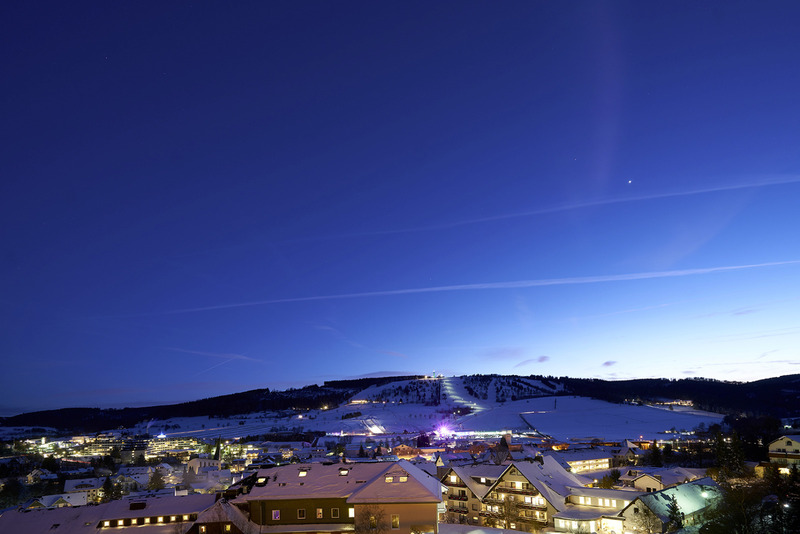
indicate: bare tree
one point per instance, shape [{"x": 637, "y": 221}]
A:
[
  {"x": 646, "y": 521},
  {"x": 371, "y": 519}
]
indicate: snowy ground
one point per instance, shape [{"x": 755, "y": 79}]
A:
[{"x": 563, "y": 418}]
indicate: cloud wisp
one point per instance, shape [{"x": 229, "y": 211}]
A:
[
  {"x": 540, "y": 359},
  {"x": 225, "y": 355},
  {"x": 518, "y": 284}
]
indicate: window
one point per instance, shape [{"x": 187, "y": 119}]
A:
[
  {"x": 173, "y": 518},
  {"x": 185, "y": 517},
  {"x": 388, "y": 479},
  {"x": 334, "y": 513},
  {"x": 302, "y": 472},
  {"x": 120, "y": 522},
  {"x": 202, "y": 529},
  {"x": 276, "y": 515},
  {"x": 351, "y": 512},
  {"x": 373, "y": 522},
  {"x": 403, "y": 479},
  {"x": 474, "y": 506},
  {"x": 227, "y": 528},
  {"x": 319, "y": 513},
  {"x": 301, "y": 513},
  {"x": 146, "y": 520},
  {"x": 395, "y": 521},
  {"x": 106, "y": 523},
  {"x": 160, "y": 519}
]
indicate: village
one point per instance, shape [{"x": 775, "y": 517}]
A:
[{"x": 439, "y": 481}]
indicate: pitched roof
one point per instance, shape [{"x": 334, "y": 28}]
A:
[
  {"x": 550, "y": 479},
  {"x": 361, "y": 482},
  {"x": 691, "y": 497},
  {"x": 223, "y": 511}
]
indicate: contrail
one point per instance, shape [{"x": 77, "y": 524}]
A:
[
  {"x": 568, "y": 207},
  {"x": 494, "y": 285}
]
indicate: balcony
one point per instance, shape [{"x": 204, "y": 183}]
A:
[{"x": 458, "y": 497}]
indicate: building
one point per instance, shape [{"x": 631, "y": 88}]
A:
[
  {"x": 594, "y": 510},
  {"x": 466, "y": 488},
  {"x": 652, "y": 511},
  {"x": 785, "y": 450},
  {"x": 332, "y": 498}
]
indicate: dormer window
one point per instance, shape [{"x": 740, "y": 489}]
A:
[
  {"x": 302, "y": 472},
  {"x": 343, "y": 471}
]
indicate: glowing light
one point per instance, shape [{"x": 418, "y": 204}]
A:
[{"x": 443, "y": 431}]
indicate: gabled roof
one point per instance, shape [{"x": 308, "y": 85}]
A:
[
  {"x": 65, "y": 499},
  {"x": 419, "y": 487},
  {"x": 83, "y": 484},
  {"x": 549, "y": 478},
  {"x": 793, "y": 437},
  {"x": 224, "y": 512},
  {"x": 691, "y": 497},
  {"x": 361, "y": 482},
  {"x": 468, "y": 475}
]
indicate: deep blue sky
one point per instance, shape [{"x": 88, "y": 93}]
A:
[{"x": 203, "y": 198}]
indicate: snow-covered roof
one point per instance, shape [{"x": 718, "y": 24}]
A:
[
  {"x": 605, "y": 493},
  {"x": 71, "y": 499},
  {"x": 577, "y": 512},
  {"x": 83, "y": 484},
  {"x": 573, "y": 455},
  {"x": 550, "y": 479},
  {"x": 84, "y": 519},
  {"x": 691, "y": 497},
  {"x": 361, "y": 482},
  {"x": 223, "y": 511}
]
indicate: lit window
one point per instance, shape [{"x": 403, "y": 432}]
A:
[
  {"x": 276, "y": 515},
  {"x": 185, "y": 517},
  {"x": 483, "y": 480},
  {"x": 302, "y": 473},
  {"x": 202, "y": 529},
  {"x": 395, "y": 521},
  {"x": 301, "y": 513},
  {"x": 351, "y": 512},
  {"x": 106, "y": 523},
  {"x": 319, "y": 513},
  {"x": 453, "y": 479},
  {"x": 343, "y": 471},
  {"x": 160, "y": 519},
  {"x": 227, "y": 528},
  {"x": 403, "y": 479},
  {"x": 146, "y": 520},
  {"x": 389, "y": 479},
  {"x": 173, "y": 518},
  {"x": 335, "y": 513},
  {"x": 120, "y": 522}
]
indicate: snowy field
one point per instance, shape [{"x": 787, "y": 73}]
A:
[
  {"x": 564, "y": 418},
  {"x": 399, "y": 411}
]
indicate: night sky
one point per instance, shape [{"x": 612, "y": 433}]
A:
[{"x": 204, "y": 198}]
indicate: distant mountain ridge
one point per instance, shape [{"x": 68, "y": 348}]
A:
[{"x": 778, "y": 397}]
